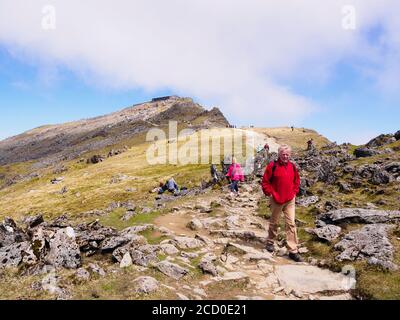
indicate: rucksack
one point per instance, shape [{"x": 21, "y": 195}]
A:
[{"x": 273, "y": 170}]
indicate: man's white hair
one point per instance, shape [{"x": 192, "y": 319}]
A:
[{"x": 284, "y": 147}]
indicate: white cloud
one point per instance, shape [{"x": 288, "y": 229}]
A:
[{"x": 238, "y": 54}]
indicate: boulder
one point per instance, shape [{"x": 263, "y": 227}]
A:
[
  {"x": 365, "y": 152},
  {"x": 64, "y": 251},
  {"x": 10, "y": 233},
  {"x": 306, "y": 279},
  {"x": 307, "y": 201},
  {"x": 358, "y": 215},
  {"x": 370, "y": 243},
  {"x": 187, "y": 243},
  {"x": 33, "y": 221},
  {"x": 169, "y": 249},
  {"x": 82, "y": 274},
  {"x": 146, "y": 285},
  {"x": 114, "y": 242},
  {"x": 142, "y": 258},
  {"x": 207, "y": 264},
  {"x": 126, "y": 260},
  {"x": 195, "y": 224},
  {"x": 12, "y": 254},
  {"x": 172, "y": 270},
  {"x": 328, "y": 232},
  {"x": 397, "y": 135}
]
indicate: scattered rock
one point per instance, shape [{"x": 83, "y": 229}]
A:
[
  {"x": 307, "y": 201},
  {"x": 371, "y": 243},
  {"x": 82, "y": 274},
  {"x": 187, "y": 243},
  {"x": 357, "y": 215},
  {"x": 146, "y": 285},
  {"x": 64, "y": 251},
  {"x": 328, "y": 233},
  {"x": 195, "y": 224},
  {"x": 172, "y": 270},
  {"x": 126, "y": 260},
  {"x": 309, "y": 279},
  {"x": 207, "y": 264}
]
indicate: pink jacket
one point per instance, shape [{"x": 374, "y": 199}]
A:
[{"x": 235, "y": 172}]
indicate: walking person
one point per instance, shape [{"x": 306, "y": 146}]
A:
[
  {"x": 281, "y": 182},
  {"x": 235, "y": 175}
]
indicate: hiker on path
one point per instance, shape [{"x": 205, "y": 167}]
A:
[
  {"x": 235, "y": 175},
  {"x": 169, "y": 185},
  {"x": 310, "y": 144},
  {"x": 214, "y": 173},
  {"x": 281, "y": 182}
]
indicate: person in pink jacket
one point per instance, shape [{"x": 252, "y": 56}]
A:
[{"x": 235, "y": 174}]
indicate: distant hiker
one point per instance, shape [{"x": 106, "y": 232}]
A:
[
  {"x": 266, "y": 147},
  {"x": 310, "y": 144},
  {"x": 292, "y": 127},
  {"x": 169, "y": 185},
  {"x": 281, "y": 182},
  {"x": 235, "y": 175},
  {"x": 214, "y": 173}
]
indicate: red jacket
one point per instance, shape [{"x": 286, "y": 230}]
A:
[{"x": 285, "y": 183}]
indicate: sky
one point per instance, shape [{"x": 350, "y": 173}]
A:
[{"x": 330, "y": 65}]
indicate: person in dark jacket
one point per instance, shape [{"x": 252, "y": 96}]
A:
[
  {"x": 281, "y": 182},
  {"x": 169, "y": 185}
]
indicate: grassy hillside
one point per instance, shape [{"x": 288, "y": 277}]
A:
[{"x": 297, "y": 138}]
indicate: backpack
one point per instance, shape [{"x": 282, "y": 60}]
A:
[{"x": 273, "y": 170}]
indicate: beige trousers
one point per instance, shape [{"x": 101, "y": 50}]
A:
[{"x": 288, "y": 209}]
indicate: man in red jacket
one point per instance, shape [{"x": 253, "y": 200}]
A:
[{"x": 281, "y": 182}]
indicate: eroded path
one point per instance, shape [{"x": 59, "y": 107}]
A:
[{"x": 227, "y": 236}]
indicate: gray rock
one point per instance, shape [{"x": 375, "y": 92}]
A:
[
  {"x": 10, "y": 233},
  {"x": 95, "y": 268},
  {"x": 33, "y": 221},
  {"x": 172, "y": 270},
  {"x": 195, "y": 224},
  {"x": 307, "y": 201},
  {"x": 128, "y": 215},
  {"x": 126, "y": 260},
  {"x": 142, "y": 258},
  {"x": 246, "y": 235},
  {"x": 82, "y": 274},
  {"x": 397, "y": 135},
  {"x": 310, "y": 279},
  {"x": 169, "y": 249},
  {"x": 64, "y": 251},
  {"x": 365, "y": 152},
  {"x": 187, "y": 243},
  {"x": 207, "y": 264},
  {"x": 381, "y": 177},
  {"x": 344, "y": 187},
  {"x": 113, "y": 242},
  {"x": 358, "y": 215},
  {"x": 370, "y": 243},
  {"x": 146, "y": 285},
  {"x": 12, "y": 255},
  {"x": 328, "y": 233}
]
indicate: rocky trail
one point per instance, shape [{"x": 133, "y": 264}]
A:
[
  {"x": 212, "y": 248},
  {"x": 231, "y": 246}
]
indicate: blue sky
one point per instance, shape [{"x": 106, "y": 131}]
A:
[{"x": 282, "y": 65}]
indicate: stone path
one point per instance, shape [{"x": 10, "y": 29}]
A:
[{"x": 229, "y": 237}]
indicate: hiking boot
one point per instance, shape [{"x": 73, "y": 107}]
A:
[
  {"x": 270, "y": 247},
  {"x": 295, "y": 257}
]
